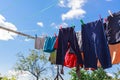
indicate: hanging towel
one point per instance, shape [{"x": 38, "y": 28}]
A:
[{"x": 49, "y": 44}]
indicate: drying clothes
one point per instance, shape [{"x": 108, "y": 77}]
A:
[
  {"x": 67, "y": 35},
  {"x": 49, "y": 44},
  {"x": 95, "y": 45},
  {"x": 52, "y": 57},
  {"x": 79, "y": 38},
  {"x": 56, "y": 43},
  {"x": 115, "y": 53},
  {"x": 70, "y": 59},
  {"x": 39, "y": 42},
  {"x": 113, "y": 28}
]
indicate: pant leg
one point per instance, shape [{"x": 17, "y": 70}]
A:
[
  {"x": 74, "y": 44},
  {"x": 95, "y": 45},
  {"x": 102, "y": 46},
  {"x": 90, "y": 60},
  {"x": 62, "y": 45},
  {"x": 59, "y": 49},
  {"x": 67, "y": 35}
]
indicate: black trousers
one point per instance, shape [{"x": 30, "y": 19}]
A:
[
  {"x": 67, "y": 35},
  {"x": 95, "y": 45}
]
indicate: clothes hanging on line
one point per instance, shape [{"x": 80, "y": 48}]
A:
[
  {"x": 56, "y": 43},
  {"x": 39, "y": 42},
  {"x": 71, "y": 58},
  {"x": 95, "y": 45},
  {"x": 112, "y": 28},
  {"x": 79, "y": 39},
  {"x": 49, "y": 44},
  {"x": 115, "y": 53},
  {"x": 52, "y": 57},
  {"x": 67, "y": 35}
]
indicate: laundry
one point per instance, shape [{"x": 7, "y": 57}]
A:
[
  {"x": 79, "y": 39},
  {"x": 52, "y": 57},
  {"x": 49, "y": 44},
  {"x": 70, "y": 59},
  {"x": 113, "y": 28},
  {"x": 115, "y": 53},
  {"x": 89, "y": 47},
  {"x": 39, "y": 42},
  {"x": 56, "y": 43},
  {"x": 95, "y": 45},
  {"x": 67, "y": 35}
]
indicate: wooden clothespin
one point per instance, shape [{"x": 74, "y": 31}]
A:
[
  {"x": 82, "y": 22},
  {"x": 110, "y": 13}
]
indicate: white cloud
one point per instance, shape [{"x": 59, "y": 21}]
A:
[
  {"x": 75, "y": 6},
  {"x": 61, "y": 3},
  {"x": 57, "y": 26},
  {"x": 73, "y": 13},
  {"x": 26, "y": 40},
  {"x": 21, "y": 75},
  {"x": 53, "y": 24},
  {"x": 6, "y": 35},
  {"x": 40, "y": 24}
]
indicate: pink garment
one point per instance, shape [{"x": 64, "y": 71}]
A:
[{"x": 39, "y": 43}]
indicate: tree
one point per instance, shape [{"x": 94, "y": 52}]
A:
[
  {"x": 33, "y": 63},
  {"x": 6, "y": 78},
  {"x": 99, "y": 74}
]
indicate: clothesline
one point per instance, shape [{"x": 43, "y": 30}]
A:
[{"x": 20, "y": 33}]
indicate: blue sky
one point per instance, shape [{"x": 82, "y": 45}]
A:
[{"x": 43, "y": 17}]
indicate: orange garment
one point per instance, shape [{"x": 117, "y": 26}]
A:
[{"x": 115, "y": 53}]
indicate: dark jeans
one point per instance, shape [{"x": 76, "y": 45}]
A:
[
  {"x": 113, "y": 28},
  {"x": 95, "y": 45},
  {"x": 67, "y": 35}
]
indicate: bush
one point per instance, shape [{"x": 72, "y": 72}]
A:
[{"x": 99, "y": 74}]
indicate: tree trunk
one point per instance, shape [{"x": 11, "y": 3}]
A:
[{"x": 37, "y": 78}]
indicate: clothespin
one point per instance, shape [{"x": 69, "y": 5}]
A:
[
  {"x": 73, "y": 25},
  {"x": 82, "y": 22},
  {"x": 35, "y": 35},
  {"x": 110, "y": 13},
  {"x": 55, "y": 35},
  {"x": 60, "y": 27},
  {"x": 100, "y": 17},
  {"x": 105, "y": 19}
]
